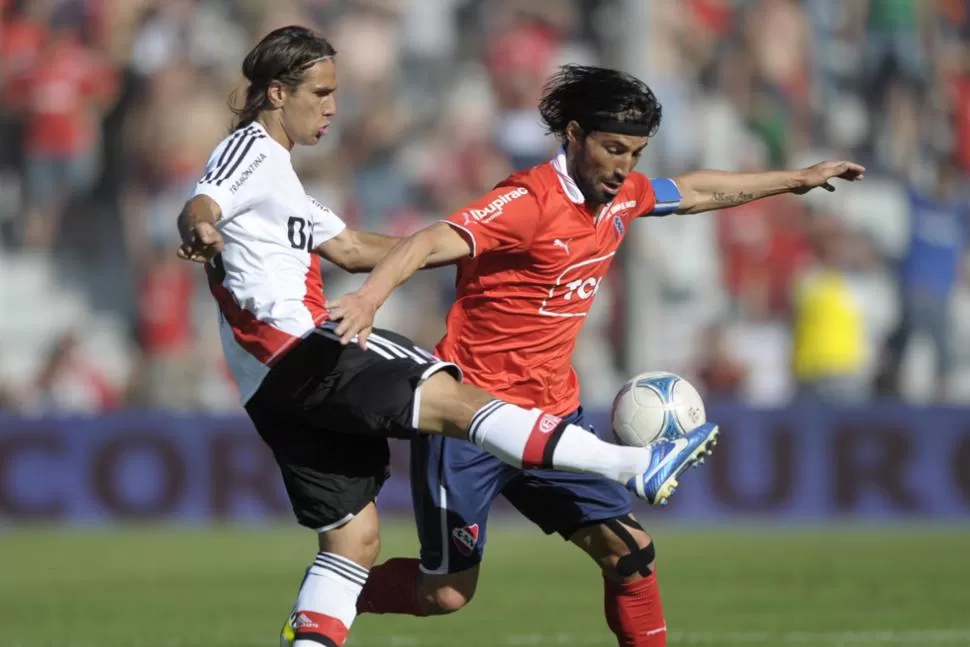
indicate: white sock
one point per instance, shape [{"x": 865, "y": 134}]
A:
[
  {"x": 532, "y": 439},
  {"x": 327, "y": 603}
]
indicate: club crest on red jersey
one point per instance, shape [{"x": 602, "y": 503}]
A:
[
  {"x": 465, "y": 538},
  {"x": 618, "y": 225}
]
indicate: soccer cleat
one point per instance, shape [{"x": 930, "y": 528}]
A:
[
  {"x": 670, "y": 457},
  {"x": 287, "y": 633}
]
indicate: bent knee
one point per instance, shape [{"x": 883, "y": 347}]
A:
[
  {"x": 631, "y": 561},
  {"x": 359, "y": 540},
  {"x": 447, "y": 600},
  {"x": 441, "y": 595},
  {"x": 370, "y": 546},
  {"x": 621, "y": 547}
]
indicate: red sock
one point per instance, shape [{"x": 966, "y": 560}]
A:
[
  {"x": 392, "y": 587},
  {"x": 634, "y": 613}
]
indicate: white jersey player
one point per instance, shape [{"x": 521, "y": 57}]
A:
[{"x": 326, "y": 407}]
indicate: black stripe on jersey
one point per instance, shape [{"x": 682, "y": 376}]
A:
[
  {"x": 232, "y": 156},
  {"x": 250, "y": 140},
  {"x": 234, "y": 139}
]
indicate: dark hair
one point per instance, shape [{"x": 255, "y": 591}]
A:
[
  {"x": 597, "y": 98},
  {"x": 284, "y": 55}
]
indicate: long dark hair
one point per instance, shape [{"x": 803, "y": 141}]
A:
[
  {"x": 595, "y": 95},
  {"x": 283, "y": 56}
]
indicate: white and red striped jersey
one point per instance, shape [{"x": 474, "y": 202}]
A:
[{"x": 267, "y": 279}]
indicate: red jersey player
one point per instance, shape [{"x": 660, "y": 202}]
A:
[
  {"x": 326, "y": 408},
  {"x": 531, "y": 255}
]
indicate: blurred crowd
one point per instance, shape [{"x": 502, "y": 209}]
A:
[{"x": 111, "y": 107}]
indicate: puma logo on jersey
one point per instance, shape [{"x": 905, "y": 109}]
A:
[{"x": 563, "y": 245}]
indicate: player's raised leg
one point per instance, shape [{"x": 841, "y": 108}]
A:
[{"x": 532, "y": 439}]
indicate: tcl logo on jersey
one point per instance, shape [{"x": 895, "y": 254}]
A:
[
  {"x": 494, "y": 208},
  {"x": 582, "y": 288},
  {"x": 575, "y": 288}
]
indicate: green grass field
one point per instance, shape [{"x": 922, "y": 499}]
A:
[{"x": 722, "y": 586}]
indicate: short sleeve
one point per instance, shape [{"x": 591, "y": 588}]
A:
[
  {"x": 233, "y": 164},
  {"x": 210, "y": 185},
  {"x": 504, "y": 219},
  {"x": 220, "y": 194},
  {"x": 326, "y": 224}
]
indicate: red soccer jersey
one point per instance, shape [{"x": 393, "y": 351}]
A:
[{"x": 538, "y": 257}]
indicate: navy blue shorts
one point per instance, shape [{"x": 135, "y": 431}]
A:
[{"x": 453, "y": 484}]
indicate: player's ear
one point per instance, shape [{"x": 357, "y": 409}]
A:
[
  {"x": 574, "y": 132},
  {"x": 275, "y": 93}
]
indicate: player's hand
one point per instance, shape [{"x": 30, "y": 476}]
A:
[
  {"x": 355, "y": 312},
  {"x": 821, "y": 174},
  {"x": 201, "y": 243}
]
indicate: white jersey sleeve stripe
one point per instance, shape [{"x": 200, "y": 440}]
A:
[
  {"x": 215, "y": 168},
  {"x": 239, "y": 159},
  {"x": 240, "y": 151}
]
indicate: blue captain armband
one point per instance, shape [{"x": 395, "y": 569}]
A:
[{"x": 668, "y": 196}]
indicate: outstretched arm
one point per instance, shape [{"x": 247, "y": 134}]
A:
[
  {"x": 437, "y": 244},
  {"x": 356, "y": 251},
  {"x": 708, "y": 190},
  {"x": 361, "y": 251},
  {"x": 502, "y": 220}
]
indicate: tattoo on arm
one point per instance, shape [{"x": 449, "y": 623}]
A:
[{"x": 719, "y": 196}]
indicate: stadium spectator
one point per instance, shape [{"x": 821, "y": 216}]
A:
[
  {"x": 829, "y": 342},
  {"x": 442, "y": 93},
  {"x": 928, "y": 273}
]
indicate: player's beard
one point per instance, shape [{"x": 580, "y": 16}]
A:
[
  {"x": 591, "y": 194},
  {"x": 587, "y": 182},
  {"x": 594, "y": 195}
]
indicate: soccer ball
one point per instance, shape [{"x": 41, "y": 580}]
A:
[{"x": 655, "y": 405}]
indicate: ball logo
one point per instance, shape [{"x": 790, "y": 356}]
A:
[
  {"x": 547, "y": 423},
  {"x": 695, "y": 415}
]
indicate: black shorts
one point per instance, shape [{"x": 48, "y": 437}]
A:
[{"x": 326, "y": 410}]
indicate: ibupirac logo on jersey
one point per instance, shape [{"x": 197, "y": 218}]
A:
[{"x": 494, "y": 208}]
